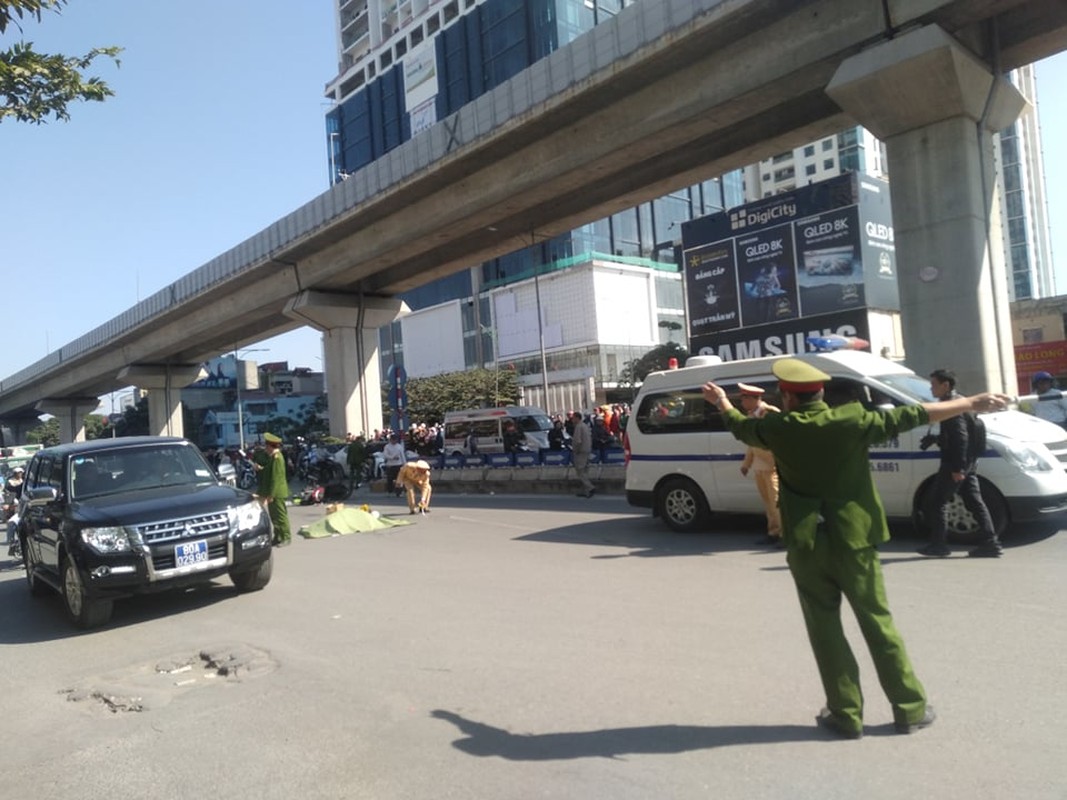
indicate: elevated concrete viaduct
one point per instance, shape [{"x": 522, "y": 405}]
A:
[{"x": 666, "y": 94}]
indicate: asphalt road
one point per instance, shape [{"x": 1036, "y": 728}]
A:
[{"x": 521, "y": 647}]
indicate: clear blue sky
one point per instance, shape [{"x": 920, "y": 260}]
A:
[{"x": 216, "y": 131}]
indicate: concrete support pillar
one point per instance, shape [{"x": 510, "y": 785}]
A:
[
  {"x": 936, "y": 106},
  {"x": 70, "y": 412},
  {"x": 164, "y": 383},
  {"x": 16, "y": 428},
  {"x": 350, "y": 331}
]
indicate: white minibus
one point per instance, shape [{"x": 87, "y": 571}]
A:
[
  {"x": 487, "y": 425},
  {"x": 684, "y": 465}
]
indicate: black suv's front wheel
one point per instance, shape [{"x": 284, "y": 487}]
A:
[
  {"x": 254, "y": 579},
  {"x": 84, "y": 611}
]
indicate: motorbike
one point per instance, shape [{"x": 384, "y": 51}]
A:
[{"x": 244, "y": 470}]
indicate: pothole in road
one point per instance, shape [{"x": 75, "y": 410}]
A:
[{"x": 143, "y": 687}]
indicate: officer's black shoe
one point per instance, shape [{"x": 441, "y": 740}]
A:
[
  {"x": 836, "y": 726},
  {"x": 910, "y": 727},
  {"x": 768, "y": 540},
  {"x": 986, "y": 551},
  {"x": 935, "y": 550}
]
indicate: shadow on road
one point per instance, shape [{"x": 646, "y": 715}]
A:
[
  {"x": 486, "y": 740},
  {"x": 650, "y": 538},
  {"x": 25, "y": 619}
]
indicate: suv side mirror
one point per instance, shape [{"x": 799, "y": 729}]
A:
[
  {"x": 226, "y": 473},
  {"x": 41, "y": 496}
]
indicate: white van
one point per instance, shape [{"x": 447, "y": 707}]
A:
[
  {"x": 684, "y": 465},
  {"x": 487, "y": 424}
]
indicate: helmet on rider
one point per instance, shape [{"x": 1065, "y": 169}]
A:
[{"x": 1041, "y": 377}]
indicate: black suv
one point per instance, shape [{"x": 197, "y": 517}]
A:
[{"x": 115, "y": 517}]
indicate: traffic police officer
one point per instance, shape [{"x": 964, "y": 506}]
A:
[
  {"x": 832, "y": 520},
  {"x": 274, "y": 489}
]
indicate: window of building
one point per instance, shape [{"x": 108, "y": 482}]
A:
[
  {"x": 827, "y": 144},
  {"x": 809, "y": 170},
  {"x": 778, "y": 159},
  {"x": 450, "y": 11},
  {"x": 1017, "y": 230},
  {"x": 1033, "y": 335},
  {"x": 784, "y": 174},
  {"x": 828, "y": 163},
  {"x": 433, "y": 24},
  {"x": 401, "y": 47},
  {"x": 386, "y": 60},
  {"x": 809, "y": 151},
  {"x": 1014, "y": 203},
  {"x": 416, "y": 36}
]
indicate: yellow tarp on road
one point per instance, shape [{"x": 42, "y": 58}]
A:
[{"x": 349, "y": 520}]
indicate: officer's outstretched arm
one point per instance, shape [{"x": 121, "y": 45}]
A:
[{"x": 978, "y": 403}]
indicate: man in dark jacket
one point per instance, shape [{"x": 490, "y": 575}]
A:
[{"x": 961, "y": 442}]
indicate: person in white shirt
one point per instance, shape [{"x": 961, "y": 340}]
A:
[
  {"x": 1051, "y": 405},
  {"x": 394, "y": 456}
]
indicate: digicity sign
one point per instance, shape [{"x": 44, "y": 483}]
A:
[{"x": 741, "y": 219}]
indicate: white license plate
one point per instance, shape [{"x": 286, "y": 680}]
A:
[{"x": 189, "y": 553}]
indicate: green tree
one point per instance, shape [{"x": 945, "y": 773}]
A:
[
  {"x": 429, "y": 398},
  {"x": 96, "y": 427},
  {"x": 47, "y": 433},
  {"x": 134, "y": 420},
  {"x": 35, "y": 85},
  {"x": 656, "y": 359}
]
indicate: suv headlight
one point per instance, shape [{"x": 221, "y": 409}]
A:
[
  {"x": 111, "y": 539},
  {"x": 1028, "y": 456},
  {"x": 247, "y": 517}
]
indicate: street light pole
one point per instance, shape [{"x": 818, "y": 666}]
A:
[{"x": 237, "y": 383}]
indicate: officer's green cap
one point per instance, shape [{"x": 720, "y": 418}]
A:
[
  {"x": 798, "y": 376},
  {"x": 270, "y": 438}
]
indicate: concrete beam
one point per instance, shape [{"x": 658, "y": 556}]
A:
[
  {"x": 326, "y": 310},
  {"x": 935, "y": 107},
  {"x": 920, "y": 78},
  {"x": 164, "y": 383},
  {"x": 350, "y": 323}
]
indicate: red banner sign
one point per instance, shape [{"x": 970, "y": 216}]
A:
[{"x": 1047, "y": 356}]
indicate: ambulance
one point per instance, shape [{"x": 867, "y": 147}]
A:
[
  {"x": 487, "y": 426},
  {"x": 684, "y": 465}
]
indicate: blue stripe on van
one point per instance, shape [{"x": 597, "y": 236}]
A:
[{"x": 879, "y": 455}]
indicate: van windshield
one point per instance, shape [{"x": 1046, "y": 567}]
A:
[
  {"x": 911, "y": 386},
  {"x": 534, "y": 422}
]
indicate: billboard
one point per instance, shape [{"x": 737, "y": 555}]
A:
[{"x": 762, "y": 277}]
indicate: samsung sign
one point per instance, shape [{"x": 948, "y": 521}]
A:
[{"x": 761, "y": 278}]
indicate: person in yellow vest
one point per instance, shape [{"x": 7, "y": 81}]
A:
[
  {"x": 416, "y": 475},
  {"x": 760, "y": 462}
]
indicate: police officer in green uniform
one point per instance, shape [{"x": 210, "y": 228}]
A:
[
  {"x": 832, "y": 520},
  {"x": 274, "y": 489}
]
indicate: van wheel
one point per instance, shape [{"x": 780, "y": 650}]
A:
[
  {"x": 682, "y": 505},
  {"x": 85, "y": 612},
  {"x": 962, "y": 527}
]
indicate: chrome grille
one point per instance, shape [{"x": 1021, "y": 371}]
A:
[{"x": 199, "y": 527}]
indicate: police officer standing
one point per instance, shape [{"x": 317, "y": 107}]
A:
[
  {"x": 961, "y": 440},
  {"x": 274, "y": 489},
  {"x": 832, "y": 520},
  {"x": 760, "y": 462}
]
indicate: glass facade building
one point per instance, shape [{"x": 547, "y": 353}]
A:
[{"x": 470, "y": 48}]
